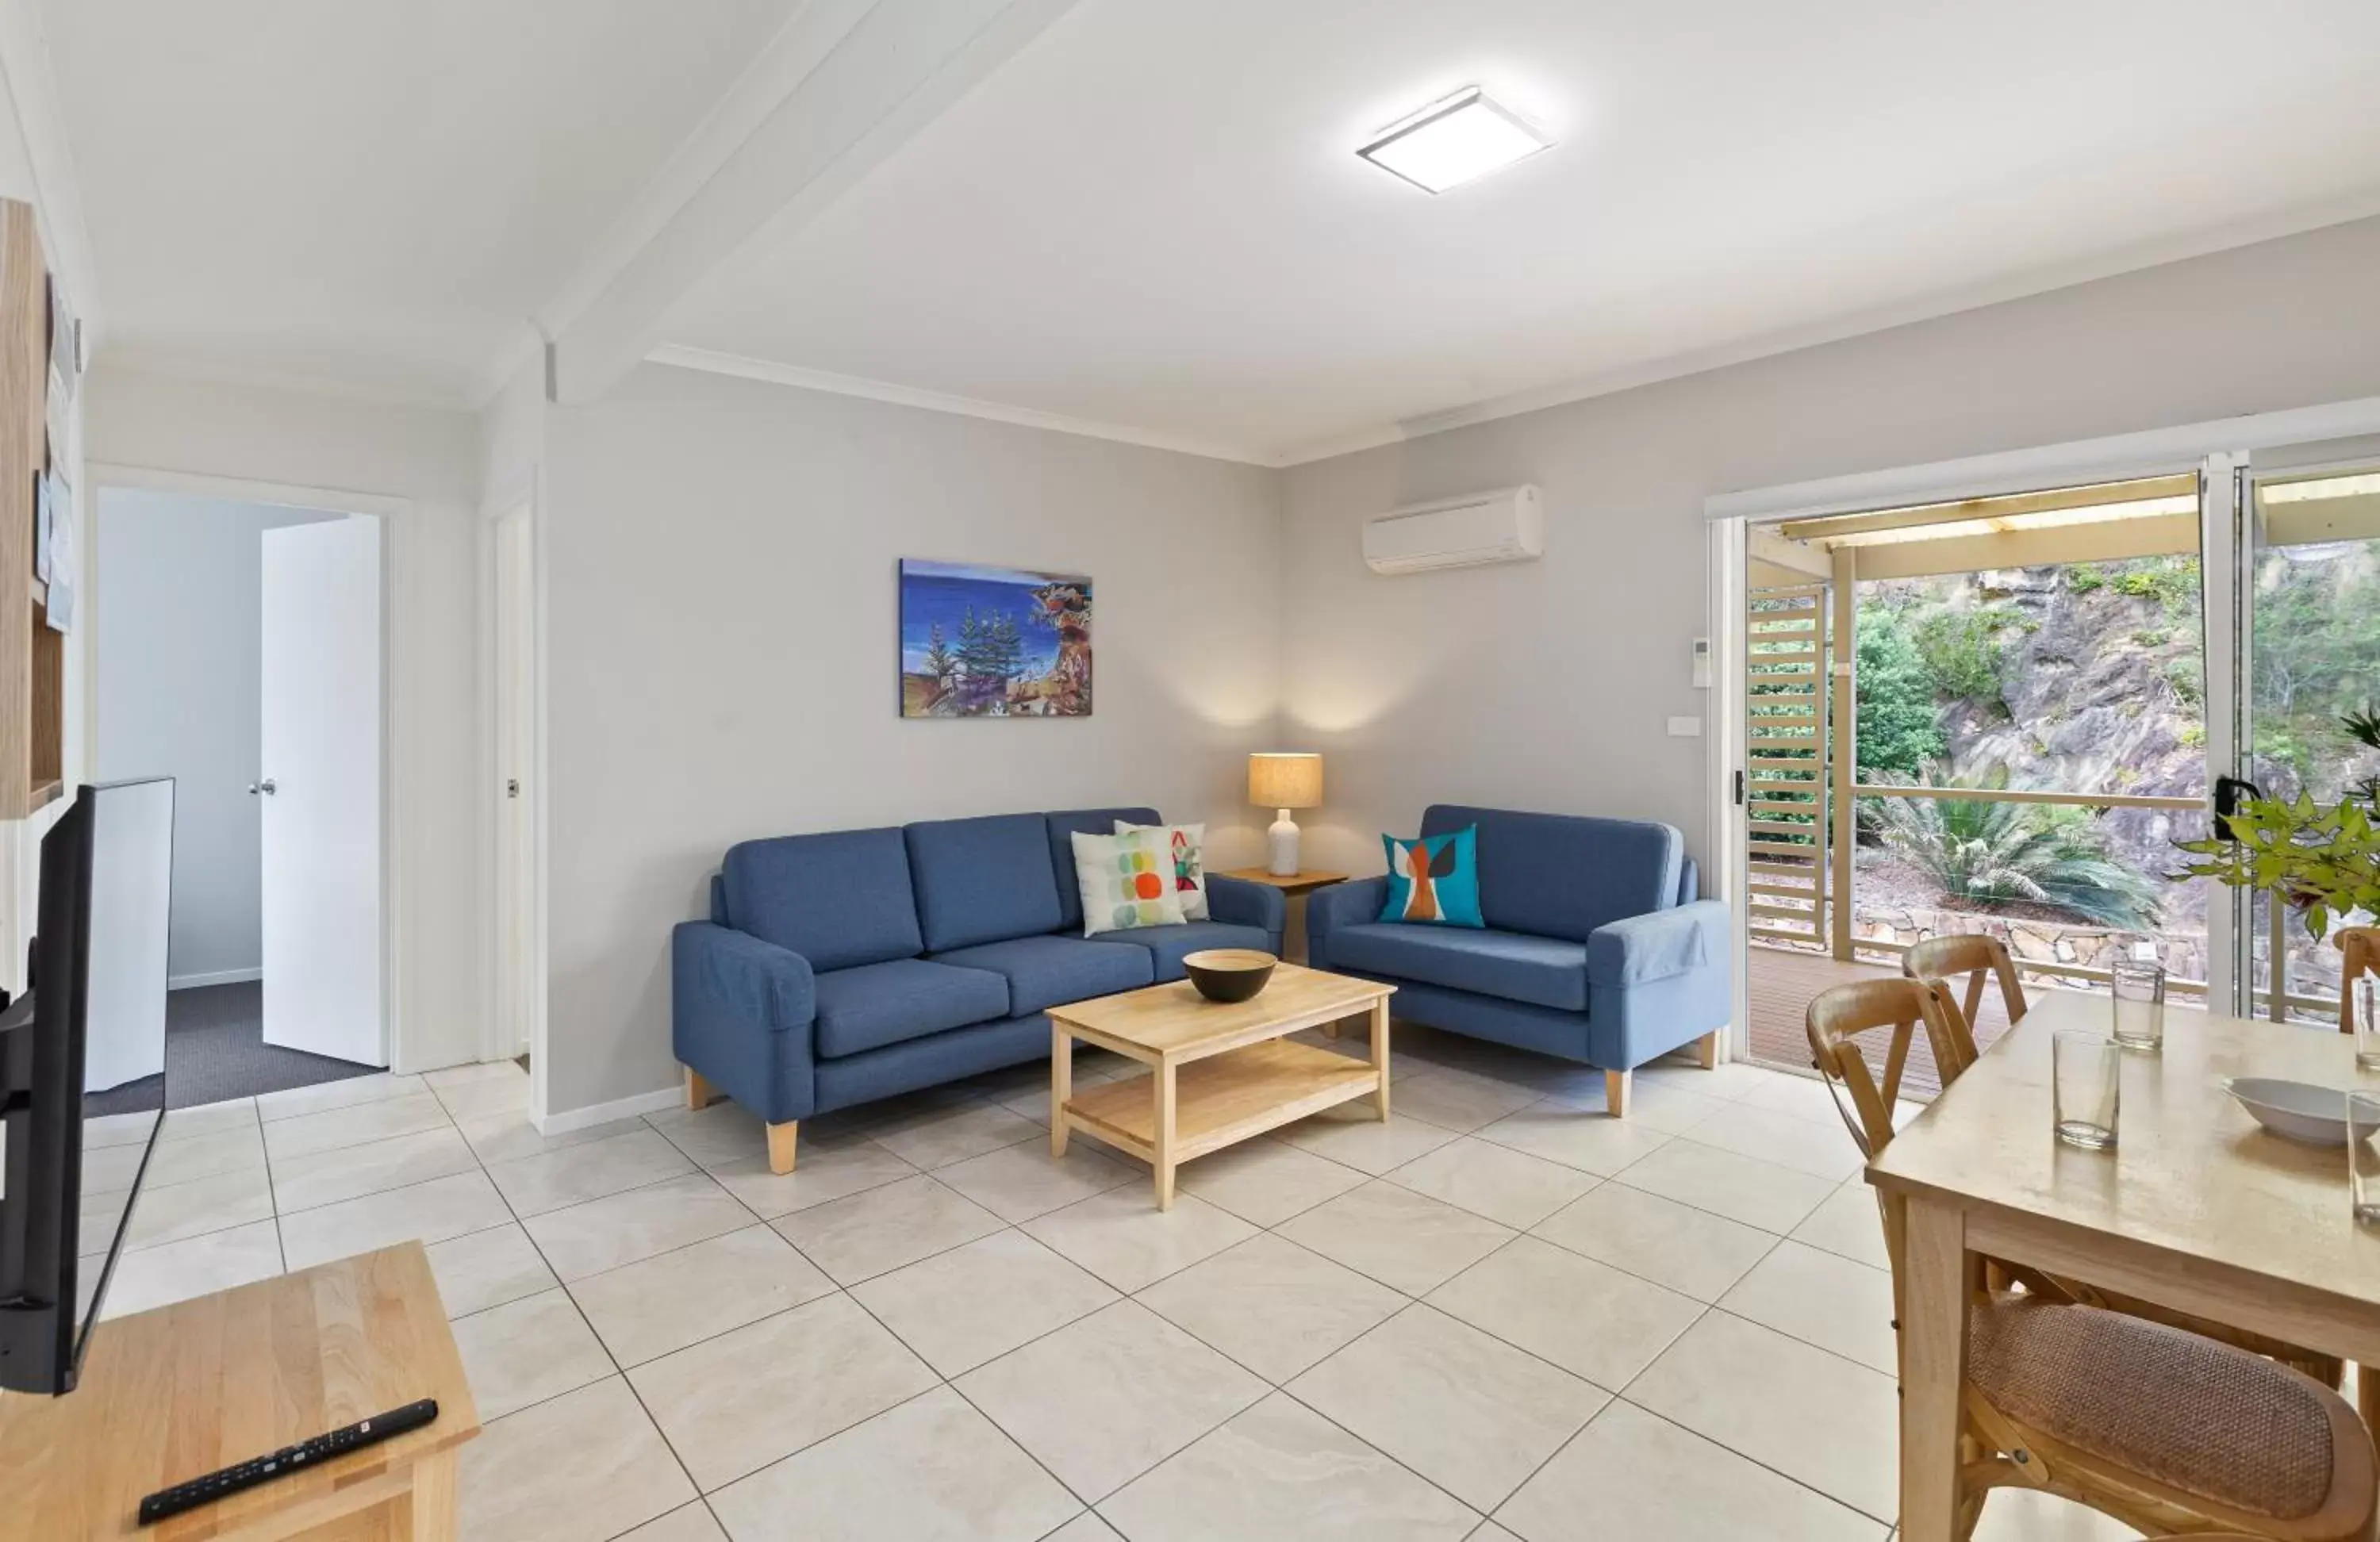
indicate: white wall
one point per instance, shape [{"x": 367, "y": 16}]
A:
[
  {"x": 174, "y": 599},
  {"x": 429, "y": 459},
  {"x": 721, "y": 655},
  {"x": 1546, "y": 686}
]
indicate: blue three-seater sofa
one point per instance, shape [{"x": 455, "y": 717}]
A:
[{"x": 843, "y": 968}]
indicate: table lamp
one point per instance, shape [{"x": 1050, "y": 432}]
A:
[{"x": 1284, "y": 782}]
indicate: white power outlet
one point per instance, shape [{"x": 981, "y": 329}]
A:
[{"x": 1685, "y": 728}]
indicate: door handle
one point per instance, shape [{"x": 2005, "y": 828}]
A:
[
  {"x": 512, "y": 787},
  {"x": 264, "y": 786}
]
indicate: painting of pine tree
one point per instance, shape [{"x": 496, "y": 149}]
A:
[{"x": 993, "y": 642}]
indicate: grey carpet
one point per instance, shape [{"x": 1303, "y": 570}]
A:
[{"x": 214, "y": 1050}]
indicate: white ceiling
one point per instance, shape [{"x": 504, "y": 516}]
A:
[
  {"x": 374, "y": 196},
  {"x": 1149, "y": 217},
  {"x": 1153, "y": 216}
]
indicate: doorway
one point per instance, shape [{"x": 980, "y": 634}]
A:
[
  {"x": 519, "y": 973},
  {"x": 238, "y": 647}
]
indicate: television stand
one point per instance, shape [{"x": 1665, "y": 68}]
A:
[{"x": 172, "y": 1394}]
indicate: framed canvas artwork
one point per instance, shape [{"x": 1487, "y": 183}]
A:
[{"x": 993, "y": 642}]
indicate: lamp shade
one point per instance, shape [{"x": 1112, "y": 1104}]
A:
[{"x": 1285, "y": 781}]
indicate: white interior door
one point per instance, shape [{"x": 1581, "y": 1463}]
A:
[
  {"x": 516, "y": 666},
  {"x": 321, "y": 755}
]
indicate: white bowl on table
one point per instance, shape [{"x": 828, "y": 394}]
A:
[{"x": 2295, "y": 1110}]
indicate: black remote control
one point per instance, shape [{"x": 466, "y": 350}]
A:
[{"x": 288, "y": 1459}]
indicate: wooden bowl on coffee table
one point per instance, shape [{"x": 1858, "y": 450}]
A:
[{"x": 1229, "y": 974}]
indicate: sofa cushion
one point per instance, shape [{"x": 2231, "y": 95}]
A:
[
  {"x": 1063, "y": 826},
  {"x": 1048, "y": 971},
  {"x": 837, "y": 899},
  {"x": 1165, "y": 945},
  {"x": 980, "y": 880},
  {"x": 875, "y": 1004},
  {"x": 1543, "y": 971},
  {"x": 1563, "y": 875}
]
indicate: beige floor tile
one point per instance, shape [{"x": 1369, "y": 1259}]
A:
[
  {"x": 2022, "y": 1515},
  {"x": 1351, "y": 1137},
  {"x": 1847, "y": 1224},
  {"x": 1265, "y": 1181},
  {"x": 202, "y": 1205},
  {"x": 345, "y": 1093},
  {"x": 1491, "y": 1532},
  {"x": 622, "y": 1228},
  {"x": 1086, "y": 1527},
  {"x": 430, "y": 1212},
  {"x": 691, "y": 1523},
  {"x": 959, "y": 1309},
  {"x": 656, "y": 1305},
  {"x": 1017, "y": 1182},
  {"x": 503, "y": 1137},
  {"x": 883, "y": 1228},
  {"x": 1666, "y": 1106},
  {"x": 1272, "y": 1306},
  {"x": 468, "y": 1073},
  {"x": 869, "y": 1483},
  {"x": 1468, "y": 1411},
  {"x": 102, "y": 1131},
  {"x": 1803, "y": 1145},
  {"x": 1741, "y": 1188},
  {"x": 1577, "y": 1137},
  {"x": 181, "y": 1161},
  {"x": 1587, "y": 1318},
  {"x": 1688, "y": 1250},
  {"x": 205, "y": 1119},
  {"x": 504, "y": 1091},
  {"x": 819, "y": 1176},
  {"x": 1802, "y": 1097},
  {"x": 1813, "y": 1417},
  {"x": 733, "y": 1404},
  {"x": 533, "y": 1185},
  {"x": 1457, "y": 1099},
  {"x": 1824, "y": 1300},
  {"x": 528, "y": 1350},
  {"x": 378, "y": 1120},
  {"x": 1406, "y": 1241},
  {"x": 945, "y": 1135},
  {"x": 724, "y": 1131},
  {"x": 1280, "y": 1470},
  {"x": 1124, "y": 1239},
  {"x": 1104, "y": 1399},
  {"x": 1505, "y": 1186},
  {"x": 196, "y": 1266},
  {"x": 351, "y": 1171},
  {"x": 588, "y": 1464},
  {"x": 1629, "y": 1475},
  {"x": 487, "y": 1268},
  {"x": 1732, "y": 1081}
]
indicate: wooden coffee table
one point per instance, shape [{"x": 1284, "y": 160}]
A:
[{"x": 1219, "y": 1072}]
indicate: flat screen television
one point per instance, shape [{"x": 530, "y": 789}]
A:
[{"x": 82, "y": 1074}]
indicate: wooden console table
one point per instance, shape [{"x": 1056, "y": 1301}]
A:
[{"x": 174, "y": 1393}]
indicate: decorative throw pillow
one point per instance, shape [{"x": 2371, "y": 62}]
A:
[
  {"x": 1128, "y": 880},
  {"x": 1435, "y": 881},
  {"x": 1187, "y": 843}
]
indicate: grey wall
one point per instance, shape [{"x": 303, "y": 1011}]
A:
[
  {"x": 175, "y": 598},
  {"x": 1546, "y": 685},
  {"x": 721, "y": 665}
]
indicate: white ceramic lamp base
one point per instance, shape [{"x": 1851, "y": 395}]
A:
[{"x": 1284, "y": 835}]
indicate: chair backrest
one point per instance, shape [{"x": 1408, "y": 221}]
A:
[
  {"x": 1940, "y": 961},
  {"x": 1836, "y": 1019},
  {"x": 2358, "y": 951}
]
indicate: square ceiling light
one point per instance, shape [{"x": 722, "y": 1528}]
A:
[{"x": 1451, "y": 141}]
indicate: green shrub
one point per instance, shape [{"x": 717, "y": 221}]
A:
[
  {"x": 1991, "y": 853},
  {"x": 1900, "y": 728},
  {"x": 2084, "y": 576},
  {"x": 1961, "y": 648}
]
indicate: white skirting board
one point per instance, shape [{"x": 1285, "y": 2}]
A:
[
  {"x": 604, "y": 1113},
  {"x": 218, "y": 976}
]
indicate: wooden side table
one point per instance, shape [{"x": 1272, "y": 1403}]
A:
[
  {"x": 172, "y": 1394},
  {"x": 1297, "y": 886}
]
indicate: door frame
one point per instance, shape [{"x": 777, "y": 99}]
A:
[
  {"x": 395, "y": 1042},
  {"x": 524, "y": 501}
]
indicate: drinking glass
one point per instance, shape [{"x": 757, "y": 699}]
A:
[
  {"x": 2363, "y": 1155},
  {"x": 2139, "y": 989},
  {"x": 2086, "y": 1069},
  {"x": 2366, "y": 989}
]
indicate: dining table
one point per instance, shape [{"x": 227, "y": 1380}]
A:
[{"x": 2197, "y": 1209}]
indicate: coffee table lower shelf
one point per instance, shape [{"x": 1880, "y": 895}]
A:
[{"x": 1222, "y": 1100}]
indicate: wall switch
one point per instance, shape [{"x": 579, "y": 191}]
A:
[{"x": 1685, "y": 728}]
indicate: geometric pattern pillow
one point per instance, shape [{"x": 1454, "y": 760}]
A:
[
  {"x": 1186, "y": 841},
  {"x": 1434, "y": 882},
  {"x": 1127, "y": 882}
]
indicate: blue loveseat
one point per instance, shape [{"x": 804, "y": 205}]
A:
[
  {"x": 1595, "y": 948},
  {"x": 843, "y": 968}
]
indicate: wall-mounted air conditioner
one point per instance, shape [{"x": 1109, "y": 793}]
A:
[{"x": 1508, "y": 524}]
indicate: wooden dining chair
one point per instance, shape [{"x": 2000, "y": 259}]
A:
[
  {"x": 2359, "y": 953},
  {"x": 2168, "y": 1431},
  {"x": 1945, "y": 959}
]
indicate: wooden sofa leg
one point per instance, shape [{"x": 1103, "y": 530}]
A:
[
  {"x": 781, "y": 1147},
  {"x": 698, "y": 1093},
  {"x": 1706, "y": 1050},
  {"x": 1615, "y": 1092}
]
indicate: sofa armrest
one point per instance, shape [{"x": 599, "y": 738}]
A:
[
  {"x": 1340, "y": 905},
  {"x": 1241, "y": 902},
  {"x": 770, "y": 986},
  {"x": 1657, "y": 945}
]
